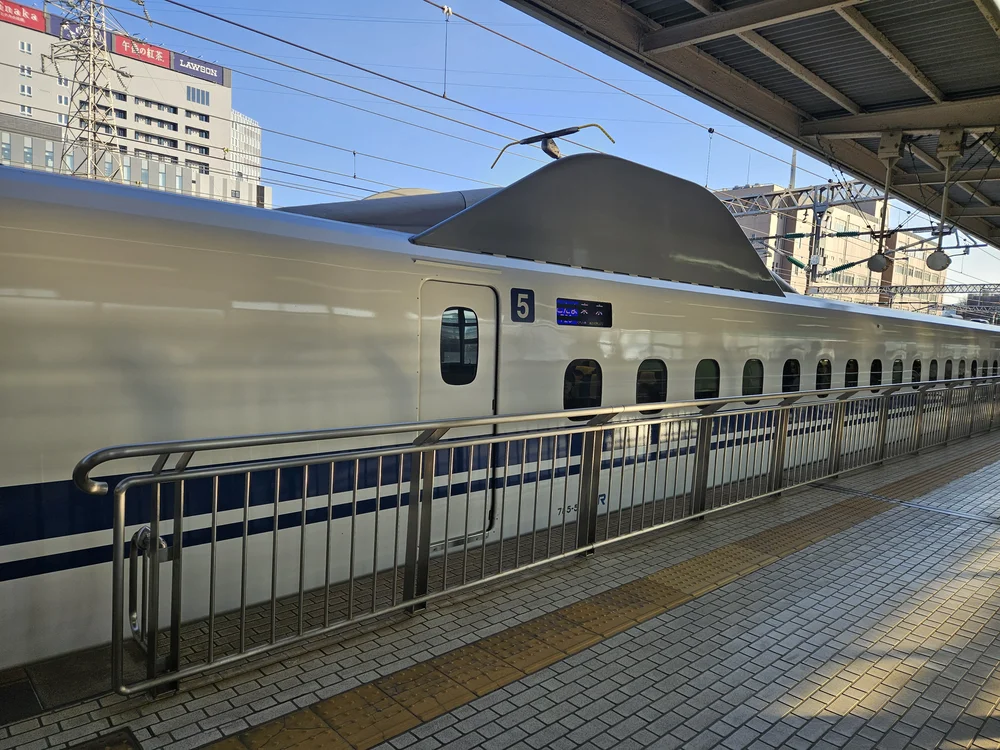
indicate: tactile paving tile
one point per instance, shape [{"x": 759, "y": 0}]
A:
[
  {"x": 477, "y": 670},
  {"x": 521, "y": 650},
  {"x": 658, "y": 593},
  {"x": 302, "y": 729},
  {"x": 597, "y": 617},
  {"x": 365, "y": 716},
  {"x": 125, "y": 740},
  {"x": 424, "y": 691},
  {"x": 558, "y": 632},
  {"x": 629, "y": 602}
]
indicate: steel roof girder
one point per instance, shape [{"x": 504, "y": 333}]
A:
[
  {"x": 938, "y": 178},
  {"x": 971, "y": 114},
  {"x": 879, "y": 40},
  {"x": 991, "y": 12},
  {"x": 730, "y": 22}
]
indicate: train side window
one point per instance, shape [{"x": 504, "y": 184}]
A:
[
  {"x": 753, "y": 378},
  {"x": 932, "y": 375},
  {"x": 961, "y": 368},
  {"x": 996, "y": 367},
  {"x": 975, "y": 367},
  {"x": 582, "y": 386},
  {"x": 915, "y": 377},
  {"x": 459, "y": 345},
  {"x": 651, "y": 383},
  {"x": 897, "y": 371},
  {"x": 791, "y": 374},
  {"x": 824, "y": 376},
  {"x": 876, "y": 373},
  {"x": 706, "y": 379},
  {"x": 947, "y": 369},
  {"x": 851, "y": 374}
]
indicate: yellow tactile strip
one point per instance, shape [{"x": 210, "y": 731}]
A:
[{"x": 373, "y": 713}]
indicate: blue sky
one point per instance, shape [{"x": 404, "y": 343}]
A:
[{"x": 406, "y": 39}]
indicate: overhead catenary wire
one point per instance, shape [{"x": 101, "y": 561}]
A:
[
  {"x": 315, "y": 142},
  {"x": 603, "y": 81},
  {"x": 355, "y": 66},
  {"x": 191, "y": 154},
  {"x": 334, "y": 81}
]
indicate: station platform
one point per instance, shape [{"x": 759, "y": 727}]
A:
[{"x": 859, "y": 612}]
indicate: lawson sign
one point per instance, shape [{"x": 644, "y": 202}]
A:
[{"x": 199, "y": 68}]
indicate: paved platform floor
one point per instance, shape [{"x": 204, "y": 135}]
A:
[{"x": 862, "y": 613}]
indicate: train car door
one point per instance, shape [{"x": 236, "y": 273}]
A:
[{"x": 458, "y": 374}]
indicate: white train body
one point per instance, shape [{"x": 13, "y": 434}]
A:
[{"x": 132, "y": 316}]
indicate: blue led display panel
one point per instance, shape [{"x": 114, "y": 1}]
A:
[{"x": 581, "y": 312}]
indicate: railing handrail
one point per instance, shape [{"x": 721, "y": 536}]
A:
[{"x": 432, "y": 431}]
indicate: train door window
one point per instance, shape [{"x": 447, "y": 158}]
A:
[
  {"x": 975, "y": 367},
  {"x": 897, "y": 371},
  {"x": 851, "y": 374},
  {"x": 706, "y": 379},
  {"x": 459, "y": 345},
  {"x": 582, "y": 386},
  {"x": 947, "y": 369},
  {"x": 932, "y": 375},
  {"x": 651, "y": 383},
  {"x": 824, "y": 375},
  {"x": 875, "y": 378},
  {"x": 916, "y": 374},
  {"x": 753, "y": 378},
  {"x": 961, "y": 368},
  {"x": 791, "y": 374}
]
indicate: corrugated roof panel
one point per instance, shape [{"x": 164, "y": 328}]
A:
[
  {"x": 948, "y": 40},
  {"x": 744, "y": 59},
  {"x": 666, "y": 12},
  {"x": 831, "y": 48}
]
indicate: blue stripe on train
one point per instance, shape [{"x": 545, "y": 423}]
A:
[{"x": 55, "y": 509}]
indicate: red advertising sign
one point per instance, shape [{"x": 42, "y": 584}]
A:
[
  {"x": 141, "y": 51},
  {"x": 22, "y": 15}
]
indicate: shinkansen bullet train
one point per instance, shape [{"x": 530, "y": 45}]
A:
[{"x": 134, "y": 315}]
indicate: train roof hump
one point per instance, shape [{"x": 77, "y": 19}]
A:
[
  {"x": 609, "y": 214},
  {"x": 400, "y": 213}
]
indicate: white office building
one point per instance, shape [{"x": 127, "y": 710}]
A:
[{"x": 172, "y": 113}]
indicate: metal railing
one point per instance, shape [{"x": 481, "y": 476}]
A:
[{"x": 248, "y": 554}]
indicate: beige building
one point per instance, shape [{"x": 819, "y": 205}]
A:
[
  {"x": 172, "y": 115},
  {"x": 843, "y": 240}
]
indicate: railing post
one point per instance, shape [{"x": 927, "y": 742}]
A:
[
  {"x": 837, "y": 437},
  {"x": 418, "y": 528},
  {"x": 947, "y": 413},
  {"x": 702, "y": 454},
  {"x": 993, "y": 404},
  {"x": 118, "y": 591},
  {"x": 590, "y": 479},
  {"x": 882, "y": 430},
  {"x": 779, "y": 439},
  {"x": 918, "y": 420},
  {"x": 973, "y": 409},
  {"x": 176, "y": 583},
  {"x": 153, "y": 592}
]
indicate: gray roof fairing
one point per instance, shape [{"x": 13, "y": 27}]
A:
[
  {"x": 604, "y": 213},
  {"x": 410, "y": 213}
]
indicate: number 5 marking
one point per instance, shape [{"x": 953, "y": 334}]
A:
[{"x": 522, "y": 305}]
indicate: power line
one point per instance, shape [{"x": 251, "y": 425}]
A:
[
  {"x": 333, "y": 81},
  {"x": 311, "y": 141},
  {"x": 355, "y": 66},
  {"x": 603, "y": 81},
  {"x": 188, "y": 154}
]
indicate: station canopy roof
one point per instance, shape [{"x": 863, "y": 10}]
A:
[{"x": 863, "y": 84}]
